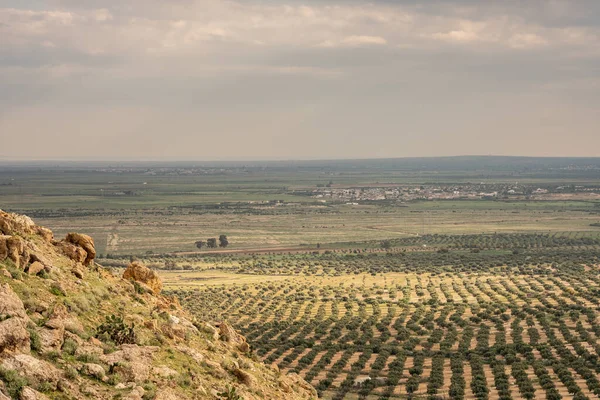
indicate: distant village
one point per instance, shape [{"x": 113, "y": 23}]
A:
[{"x": 453, "y": 192}]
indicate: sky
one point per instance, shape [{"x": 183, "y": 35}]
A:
[{"x": 291, "y": 79}]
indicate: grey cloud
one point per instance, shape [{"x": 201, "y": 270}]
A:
[{"x": 295, "y": 79}]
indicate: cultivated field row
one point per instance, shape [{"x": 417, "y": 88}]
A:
[{"x": 448, "y": 335}]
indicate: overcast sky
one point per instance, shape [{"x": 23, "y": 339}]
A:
[{"x": 291, "y": 79}]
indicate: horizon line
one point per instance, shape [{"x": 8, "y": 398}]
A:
[{"x": 4, "y": 159}]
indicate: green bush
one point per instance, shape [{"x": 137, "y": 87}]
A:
[
  {"x": 69, "y": 346},
  {"x": 150, "y": 391},
  {"x": 230, "y": 393},
  {"x": 115, "y": 330},
  {"x": 34, "y": 340},
  {"x": 13, "y": 381},
  {"x": 71, "y": 373}
]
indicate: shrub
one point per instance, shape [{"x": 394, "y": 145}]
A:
[
  {"x": 115, "y": 330},
  {"x": 150, "y": 391},
  {"x": 69, "y": 346},
  {"x": 13, "y": 381},
  {"x": 71, "y": 373},
  {"x": 88, "y": 358},
  {"x": 230, "y": 393},
  {"x": 34, "y": 340}
]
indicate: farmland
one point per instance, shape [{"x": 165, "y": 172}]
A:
[
  {"x": 493, "y": 324},
  {"x": 135, "y": 208},
  {"x": 462, "y": 278}
]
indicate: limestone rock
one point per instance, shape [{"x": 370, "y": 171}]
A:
[
  {"x": 164, "y": 372},
  {"x": 132, "y": 361},
  {"x": 86, "y": 243},
  {"x": 37, "y": 371},
  {"x": 11, "y": 224},
  {"x": 297, "y": 382},
  {"x": 29, "y": 394},
  {"x": 10, "y": 304},
  {"x": 14, "y": 336},
  {"x": 13, "y": 247},
  {"x": 51, "y": 339},
  {"x": 72, "y": 251},
  {"x": 35, "y": 268},
  {"x": 136, "y": 271},
  {"x": 195, "y": 354},
  {"x": 45, "y": 233},
  {"x": 87, "y": 349},
  {"x": 229, "y": 335},
  {"x": 93, "y": 370}
]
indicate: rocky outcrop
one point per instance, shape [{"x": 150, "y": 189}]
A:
[
  {"x": 72, "y": 251},
  {"x": 133, "y": 362},
  {"x": 13, "y": 248},
  {"x": 11, "y": 224},
  {"x": 14, "y": 337},
  {"x": 93, "y": 370},
  {"x": 38, "y": 372},
  {"x": 35, "y": 268},
  {"x": 297, "y": 382},
  {"x": 138, "y": 272},
  {"x": 228, "y": 334},
  {"x": 29, "y": 394},
  {"x": 86, "y": 243},
  {"x": 52, "y": 308}
]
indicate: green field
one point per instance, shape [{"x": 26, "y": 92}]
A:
[{"x": 136, "y": 209}]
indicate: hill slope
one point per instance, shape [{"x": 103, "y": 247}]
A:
[{"x": 70, "y": 329}]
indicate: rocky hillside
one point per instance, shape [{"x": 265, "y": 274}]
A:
[{"x": 70, "y": 329}]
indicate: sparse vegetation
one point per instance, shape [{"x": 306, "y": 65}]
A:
[{"x": 116, "y": 330}]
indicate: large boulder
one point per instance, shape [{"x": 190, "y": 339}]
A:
[
  {"x": 45, "y": 233},
  {"x": 133, "y": 362},
  {"x": 93, "y": 370},
  {"x": 228, "y": 334},
  {"x": 72, "y": 251},
  {"x": 11, "y": 224},
  {"x": 14, "y": 337},
  {"x": 35, "y": 268},
  {"x": 86, "y": 243},
  {"x": 29, "y": 394},
  {"x": 13, "y": 247},
  {"x": 10, "y": 304},
  {"x": 51, "y": 339},
  {"x": 136, "y": 271},
  {"x": 36, "y": 371}
]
